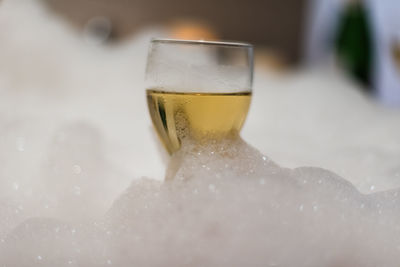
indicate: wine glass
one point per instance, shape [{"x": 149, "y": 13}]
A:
[{"x": 198, "y": 91}]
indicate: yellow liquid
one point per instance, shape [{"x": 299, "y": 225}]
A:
[{"x": 198, "y": 116}]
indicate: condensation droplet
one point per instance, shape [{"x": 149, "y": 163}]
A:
[
  {"x": 372, "y": 188},
  {"x": 76, "y": 169}
]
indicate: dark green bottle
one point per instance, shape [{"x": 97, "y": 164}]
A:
[{"x": 354, "y": 42}]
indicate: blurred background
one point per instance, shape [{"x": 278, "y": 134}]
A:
[{"x": 361, "y": 37}]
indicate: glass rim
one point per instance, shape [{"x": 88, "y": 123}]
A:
[{"x": 202, "y": 42}]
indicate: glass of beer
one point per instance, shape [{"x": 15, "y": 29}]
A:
[{"x": 198, "y": 90}]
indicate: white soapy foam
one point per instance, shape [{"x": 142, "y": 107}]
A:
[
  {"x": 228, "y": 206},
  {"x": 74, "y": 132},
  {"x": 319, "y": 118}
]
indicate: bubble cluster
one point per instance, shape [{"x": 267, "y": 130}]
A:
[{"x": 228, "y": 205}]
